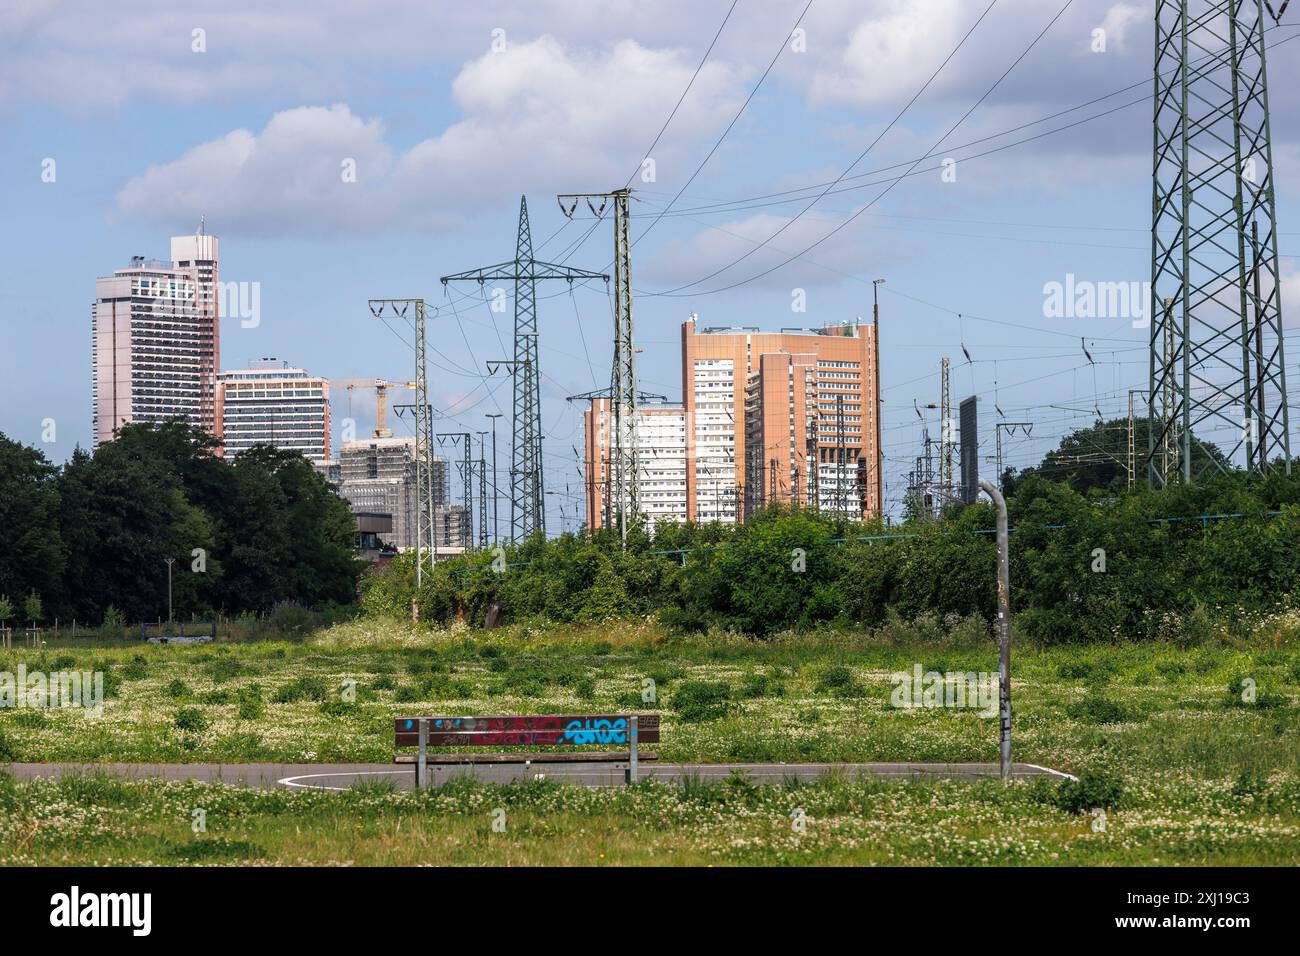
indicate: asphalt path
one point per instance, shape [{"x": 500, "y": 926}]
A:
[{"x": 341, "y": 776}]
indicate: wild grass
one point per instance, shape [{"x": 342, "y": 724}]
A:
[{"x": 1194, "y": 753}]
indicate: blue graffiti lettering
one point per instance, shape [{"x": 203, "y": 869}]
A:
[{"x": 599, "y": 731}]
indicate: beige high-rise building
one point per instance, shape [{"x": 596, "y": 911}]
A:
[
  {"x": 156, "y": 340},
  {"x": 271, "y": 403}
]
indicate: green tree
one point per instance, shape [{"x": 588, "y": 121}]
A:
[
  {"x": 33, "y": 609},
  {"x": 32, "y": 555}
]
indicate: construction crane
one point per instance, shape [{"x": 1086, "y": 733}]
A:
[{"x": 381, "y": 387}]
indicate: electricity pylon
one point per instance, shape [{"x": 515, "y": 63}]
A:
[
  {"x": 1216, "y": 364},
  {"x": 625, "y": 490},
  {"x": 424, "y": 524},
  {"x": 527, "y": 491},
  {"x": 467, "y": 475},
  {"x": 947, "y": 490}
]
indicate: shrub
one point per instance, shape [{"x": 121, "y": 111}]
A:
[
  {"x": 251, "y": 706},
  {"x": 137, "y": 668},
  {"x": 8, "y": 749},
  {"x": 191, "y": 720},
  {"x": 307, "y": 687},
  {"x": 1091, "y": 791},
  {"x": 224, "y": 668},
  {"x": 838, "y": 679},
  {"x": 1239, "y": 691},
  {"x": 177, "y": 689},
  {"x": 700, "y": 700}
]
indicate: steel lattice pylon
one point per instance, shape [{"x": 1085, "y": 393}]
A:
[
  {"x": 425, "y": 540},
  {"x": 1216, "y": 366},
  {"x": 527, "y": 491},
  {"x": 625, "y": 472}
]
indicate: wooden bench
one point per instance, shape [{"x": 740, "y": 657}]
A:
[{"x": 549, "y": 730}]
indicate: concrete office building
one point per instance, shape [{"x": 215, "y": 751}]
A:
[
  {"x": 377, "y": 475},
  {"x": 271, "y": 403},
  {"x": 156, "y": 340}
]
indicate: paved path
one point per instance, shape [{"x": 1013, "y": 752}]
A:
[{"x": 340, "y": 776}]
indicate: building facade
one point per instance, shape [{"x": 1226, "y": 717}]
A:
[
  {"x": 767, "y": 418},
  {"x": 377, "y": 475},
  {"x": 660, "y": 432},
  {"x": 155, "y": 341},
  {"x": 788, "y": 417},
  {"x": 271, "y": 403}
]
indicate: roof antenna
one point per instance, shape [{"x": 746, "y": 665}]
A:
[{"x": 202, "y": 219}]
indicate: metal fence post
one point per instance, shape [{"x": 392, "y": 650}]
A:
[
  {"x": 631, "y": 736},
  {"x": 422, "y": 764},
  {"x": 1004, "y": 629}
]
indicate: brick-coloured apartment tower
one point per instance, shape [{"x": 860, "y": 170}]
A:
[
  {"x": 765, "y": 410},
  {"x": 155, "y": 340}
]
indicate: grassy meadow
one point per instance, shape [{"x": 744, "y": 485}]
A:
[{"x": 1182, "y": 768}]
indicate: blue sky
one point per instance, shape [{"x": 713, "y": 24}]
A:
[{"x": 447, "y": 132}]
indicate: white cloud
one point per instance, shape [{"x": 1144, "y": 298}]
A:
[
  {"x": 536, "y": 118},
  {"x": 1119, "y": 21},
  {"x": 288, "y": 178}
]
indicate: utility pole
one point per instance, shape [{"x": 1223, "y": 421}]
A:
[
  {"x": 1004, "y": 629},
  {"x": 1212, "y": 173},
  {"x": 1132, "y": 438},
  {"x": 424, "y": 515},
  {"x": 527, "y": 491},
  {"x": 482, "y": 492},
  {"x": 626, "y": 470},
  {"x": 946, "y": 434},
  {"x": 496, "y": 490},
  {"x": 467, "y": 476},
  {"x": 1010, "y": 429},
  {"x": 597, "y": 429},
  {"x": 875, "y": 425}
]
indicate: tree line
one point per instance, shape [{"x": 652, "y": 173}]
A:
[
  {"x": 88, "y": 540},
  {"x": 1090, "y": 560}
]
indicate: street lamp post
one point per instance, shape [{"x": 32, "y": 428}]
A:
[
  {"x": 170, "y": 562},
  {"x": 1004, "y": 628}
]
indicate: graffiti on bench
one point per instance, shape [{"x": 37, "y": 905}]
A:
[
  {"x": 596, "y": 732},
  {"x": 518, "y": 731}
]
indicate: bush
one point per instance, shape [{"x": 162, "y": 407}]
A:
[
  {"x": 8, "y": 749},
  {"x": 307, "y": 687},
  {"x": 700, "y": 700},
  {"x": 177, "y": 689},
  {"x": 251, "y": 705},
  {"x": 191, "y": 720},
  {"x": 137, "y": 668},
  {"x": 838, "y": 679},
  {"x": 1092, "y": 791},
  {"x": 1239, "y": 691}
]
